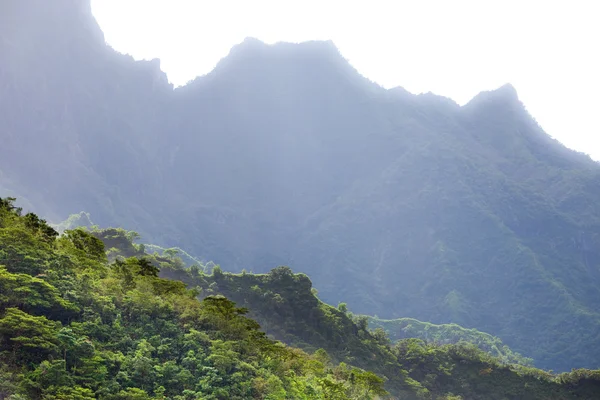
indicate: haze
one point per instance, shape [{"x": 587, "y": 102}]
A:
[{"x": 455, "y": 49}]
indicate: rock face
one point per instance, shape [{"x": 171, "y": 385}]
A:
[{"x": 399, "y": 205}]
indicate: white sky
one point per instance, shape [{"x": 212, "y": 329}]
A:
[{"x": 548, "y": 50}]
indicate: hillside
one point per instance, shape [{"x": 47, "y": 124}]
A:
[
  {"x": 74, "y": 326},
  {"x": 408, "y": 328},
  {"x": 287, "y": 308},
  {"x": 400, "y": 205},
  {"x": 174, "y": 261}
]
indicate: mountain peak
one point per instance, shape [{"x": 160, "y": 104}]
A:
[
  {"x": 504, "y": 96},
  {"x": 400, "y": 92},
  {"x": 253, "y": 47},
  {"x": 312, "y": 60},
  {"x": 507, "y": 91},
  {"x": 249, "y": 44}
]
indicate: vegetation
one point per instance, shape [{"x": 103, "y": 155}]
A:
[
  {"x": 174, "y": 252},
  {"x": 405, "y": 328},
  {"x": 74, "y": 326},
  {"x": 287, "y": 308},
  {"x": 400, "y": 205},
  {"x": 79, "y": 220}
]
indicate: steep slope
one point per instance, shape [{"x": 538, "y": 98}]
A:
[
  {"x": 77, "y": 116},
  {"x": 400, "y": 205},
  {"x": 272, "y": 141},
  {"x": 73, "y": 326},
  {"x": 444, "y": 235},
  {"x": 287, "y": 308}
]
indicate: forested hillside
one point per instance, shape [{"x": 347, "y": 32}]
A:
[
  {"x": 74, "y": 325},
  {"x": 409, "y": 328},
  {"x": 286, "y": 306},
  {"x": 401, "y": 205}
]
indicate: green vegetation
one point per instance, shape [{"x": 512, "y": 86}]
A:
[
  {"x": 406, "y": 328},
  {"x": 172, "y": 252},
  {"x": 400, "y": 205},
  {"x": 74, "y": 326},
  {"x": 121, "y": 242},
  {"x": 287, "y": 309},
  {"x": 79, "y": 220}
]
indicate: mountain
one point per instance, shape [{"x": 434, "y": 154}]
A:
[
  {"x": 71, "y": 104},
  {"x": 74, "y": 325},
  {"x": 401, "y": 205},
  {"x": 286, "y": 306}
]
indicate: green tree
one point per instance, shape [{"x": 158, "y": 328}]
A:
[
  {"x": 171, "y": 253},
  {"x": 8, "y": 204},
  {"x": 40, "y": 226},
  {"x": 147, "y": 268},
  {"x": 87, "y": 243},
  {"x": 28, "y": 337}
]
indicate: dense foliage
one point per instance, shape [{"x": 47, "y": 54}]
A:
[
  {"x": 74, "y": 326},
  {"x": 405, "y": 328},
  {"x": 286, "y": 306},
  {"x": 400, "y": 205}
]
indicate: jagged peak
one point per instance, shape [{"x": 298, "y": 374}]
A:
[
  {"x": 506, "y": 94},
  {"x": 507, "y": 90}
]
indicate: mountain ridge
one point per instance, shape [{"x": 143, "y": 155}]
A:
[{"x": 401, "y": 205}]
